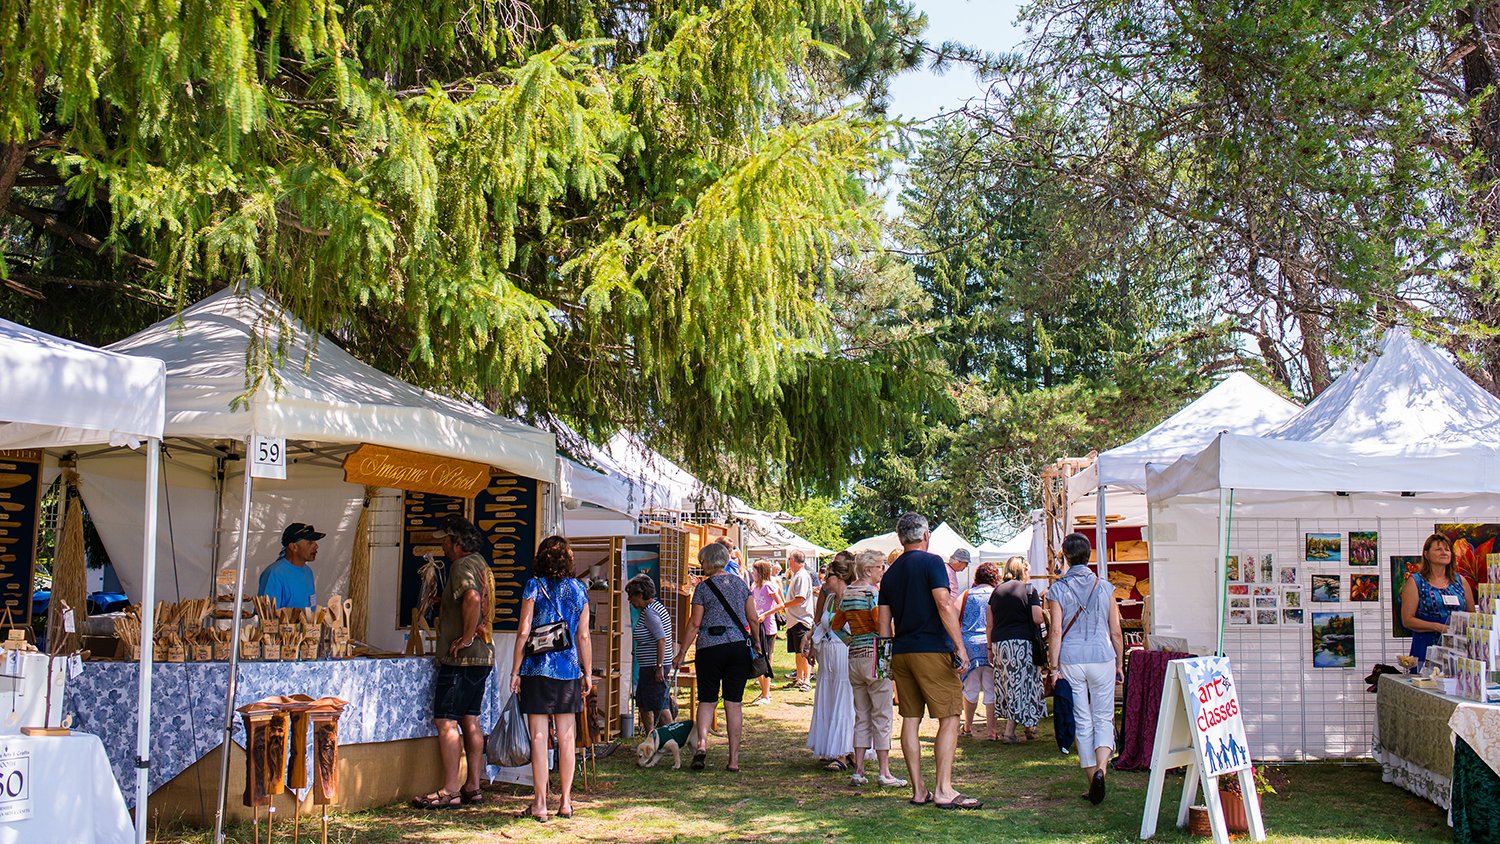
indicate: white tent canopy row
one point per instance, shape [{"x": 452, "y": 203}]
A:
[{"x": 61, "y": 394}]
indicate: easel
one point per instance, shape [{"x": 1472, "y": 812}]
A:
[{"x": 1178, "y": 744}]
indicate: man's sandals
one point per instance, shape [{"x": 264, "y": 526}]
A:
[{"x": 442, "y": 799}]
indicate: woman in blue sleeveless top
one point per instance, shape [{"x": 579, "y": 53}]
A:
[{"x": 1429, "y": 596}]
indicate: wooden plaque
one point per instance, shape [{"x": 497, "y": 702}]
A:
[{"x": 414, "y": 472}]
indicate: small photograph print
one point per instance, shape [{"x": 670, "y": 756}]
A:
[
  {"x": 1325, "y": 547},
  {"x": 1266, "y": 617},
  {"x": 1333, "y": 639},
  {"x": 1362, "y": 545},
  {"x": 1266, "y": 602},
  {"x": 1291, "y": 616},
  {"x": 1239, "y": 589},
  {"x": 1239, "y": 603},
  {"x": 1364, "y": 587},
  {"x": 1247, "y": 569},
  {"x": 1288, "y": 575},
  {"x": 1267, "y": 569},
  {"x": 1239, "y": 616},
  {"x": 1325, "y": 588},
  {"x": 1263, "y": 590},
  {"x": 1232, "y": 564},
  {"x": 1291, "y": 597}
]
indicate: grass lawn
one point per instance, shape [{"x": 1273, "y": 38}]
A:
[{"x": 1030, "y": 793}]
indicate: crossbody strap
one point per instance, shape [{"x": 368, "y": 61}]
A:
[
  {"x": 1081, "y": 608},
  {"x": 732, "y": 614}
]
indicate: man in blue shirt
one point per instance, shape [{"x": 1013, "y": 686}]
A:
[
  {"x": 290, "y": 579},
  {"x": 917, "y": 611}
]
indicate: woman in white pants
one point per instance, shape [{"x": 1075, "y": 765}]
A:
[
  {"x": 1087, "y": 649},
  {"x": 873, "y": 693}
]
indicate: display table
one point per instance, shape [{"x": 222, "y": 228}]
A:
[
  {"x": 1144, "y": 675},
  {"x": 389, "y": 700},
  {"x": 72, "y": 793},
  {"x": 23, "y": 690},
  {"x": 1443, "y": 748}
]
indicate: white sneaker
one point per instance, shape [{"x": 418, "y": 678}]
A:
[
  {"x": 760, "y": 701},
  {"x": 858, "y": 779},
  {"x": 892, "y": 782}
]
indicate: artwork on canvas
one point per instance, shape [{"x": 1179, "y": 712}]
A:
[
  {"x": 1289, "y": 616},
  {"x": 1266, "y": 617},
  {"x": 1288, "y": 575},
  {"x": 1325, "y": 547},
  {"x": 1402, "y": 566},
  {"x": 1362, "y": 547},
  {"x": 1262, "y": 590},
  {"x": 1472, "y": 543},
  {"x": 1239, "y": 589},
  {"x": 1267, "y": 569},
  {"x": 1325, "y": 588},
  {"x": 1239, "y": 603},
  {"x": 1266, "y": 602},
  {"x": 1291, "y": 597},
  {"x": 1232, "y": 566},
  {"x": 1333, "y": 639},
  {"x": 1364, "y": 587},
  {"x": 1239, "y": 616}
]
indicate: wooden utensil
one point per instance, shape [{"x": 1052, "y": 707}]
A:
[
  {"x": 7, "y": 481},
  {"x": 11, "y": 506}
]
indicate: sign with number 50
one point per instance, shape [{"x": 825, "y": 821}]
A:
[
  {"x": 268, "y": 457},
  {"x": 15, "y": 784}
]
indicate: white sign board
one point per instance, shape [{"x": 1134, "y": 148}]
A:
[
  {"x": 268, "y": 458},
  {"x": 1200, "y": 726},
  {"x": 15, "y": 784}
]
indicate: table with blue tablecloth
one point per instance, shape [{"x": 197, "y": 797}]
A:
[{"x": 389, "y": 700}]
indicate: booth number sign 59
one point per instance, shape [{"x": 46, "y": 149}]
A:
[{"x": 268, "y": 457}]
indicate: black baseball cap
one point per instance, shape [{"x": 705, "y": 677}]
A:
[{"x": 297, "y": 531}]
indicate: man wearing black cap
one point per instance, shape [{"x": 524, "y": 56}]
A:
[{"x": 290, "y": 579}]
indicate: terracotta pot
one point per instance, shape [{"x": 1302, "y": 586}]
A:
[{"x": 1235, "y": 819}]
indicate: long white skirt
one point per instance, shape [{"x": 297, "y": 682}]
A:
[{"x": 831, "y": 733}]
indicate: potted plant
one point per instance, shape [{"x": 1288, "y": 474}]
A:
[{"x": 1235, "y": 819}]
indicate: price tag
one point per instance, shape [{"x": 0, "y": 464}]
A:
[
  {"x": 75, "y": 666},
  {"x": 68, "y": 621},
  {"x": 268, "y": 457}
]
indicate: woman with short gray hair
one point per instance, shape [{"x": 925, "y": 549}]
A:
[
  {"x": 654, "y": 637},
  {"x": 719, "y": 625}
]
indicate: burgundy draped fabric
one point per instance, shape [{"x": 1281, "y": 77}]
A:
[{"x": 1143, "y": 683}]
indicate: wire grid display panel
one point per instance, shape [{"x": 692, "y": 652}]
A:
[{"x": 1295, "y": 711}]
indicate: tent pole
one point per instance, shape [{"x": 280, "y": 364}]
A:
[
  {"x": 148, "y": 621},
  {"x": 234, "y": 651},
  {"x": 1101, "y": 533},
  {"x": 1219, "y": 568}
]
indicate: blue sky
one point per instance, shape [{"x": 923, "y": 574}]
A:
[{"x": 986, "y": 24}]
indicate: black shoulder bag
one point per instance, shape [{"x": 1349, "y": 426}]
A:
[
  {"x": 760, "y": 664},
  {"x": 549, "y": 637}
]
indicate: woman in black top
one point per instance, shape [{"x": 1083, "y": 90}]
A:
[{"x": 1015, "y": 611}]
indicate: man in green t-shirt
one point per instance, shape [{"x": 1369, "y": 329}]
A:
[{"x": 465, "y": 657}]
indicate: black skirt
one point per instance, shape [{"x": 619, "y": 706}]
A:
[{"x": 546, "y": 696}]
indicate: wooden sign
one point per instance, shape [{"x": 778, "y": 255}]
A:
[
  {"x": 1201, "y": 726},
  {"x": 20, "y": 510},
  {"x": 506, "y": 513},
  {"x": 415, "y": 472},
  {"x": 421, "y": 514}
]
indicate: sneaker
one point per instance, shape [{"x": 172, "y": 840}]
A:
[
  {"x": 760, "y": 701},
  {"x": 893, "y": 782},
  {"x": 858, "y": 779}
]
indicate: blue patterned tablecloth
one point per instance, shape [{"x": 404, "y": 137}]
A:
[{"x": 389, "y": 700}]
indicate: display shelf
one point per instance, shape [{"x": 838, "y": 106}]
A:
[{"x": 605, "y": 556}]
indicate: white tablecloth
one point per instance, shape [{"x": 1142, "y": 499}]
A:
[
  {"x": 23, "y": 701},
  {"x": 72, "y": 793}
]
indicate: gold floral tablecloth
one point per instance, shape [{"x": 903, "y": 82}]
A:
[{"x": 1413, "y": 742}]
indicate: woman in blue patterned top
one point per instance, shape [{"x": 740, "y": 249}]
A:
[
  {"x": 552, "y": 686},
  {"x": 1428, "y": 597}
]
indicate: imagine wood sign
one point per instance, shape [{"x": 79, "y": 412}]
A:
[{"x": 409, "y": 470}]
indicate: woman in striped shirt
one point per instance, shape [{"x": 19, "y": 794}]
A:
[{"x": 653, "y": 636}]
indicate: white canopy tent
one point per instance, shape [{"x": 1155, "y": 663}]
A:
[
  {"x": 595, "y": 503},
  {"x": 61, "y": 394},
  {"x": 1237, "y": 403},
  {"x": 1400, "y": 443},
  {"x": 885, "y": 543},
  {"x": 318, "y": 395}
]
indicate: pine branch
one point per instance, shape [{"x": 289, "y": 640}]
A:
[
  {"x": 145, "y": 294},
  {"x": 51, "y": 223}
]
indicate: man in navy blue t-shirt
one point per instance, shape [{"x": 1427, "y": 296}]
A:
[{"x": 927, "y": 658}]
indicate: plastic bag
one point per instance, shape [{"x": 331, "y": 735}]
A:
[{"x": 509, "y": 743}]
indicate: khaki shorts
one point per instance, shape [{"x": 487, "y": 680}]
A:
[{"x": 927, "y": 680}]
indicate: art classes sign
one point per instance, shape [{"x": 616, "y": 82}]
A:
[
  {"x": 1208, "y": 685},
  {"x": 395, "y": 468}
]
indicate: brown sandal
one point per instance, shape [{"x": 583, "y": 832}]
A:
[
  {"x": 439, "y": 799},
  {"x": 468, "y": 797}
]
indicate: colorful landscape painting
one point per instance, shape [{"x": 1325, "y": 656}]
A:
[
  {"x": 1362, "y": 545},
  {"x": 1333, "y": 639},
  {"x": 1364, "y": 587},
  {"x": 1325, "y": 588},
  {"x": 1471, "y": 544},
  {"x": 1325, "y": 547},
  {"x": 1401, "y": 566}
]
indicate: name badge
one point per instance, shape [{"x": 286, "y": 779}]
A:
[{"x": 1451, "y": 601}]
